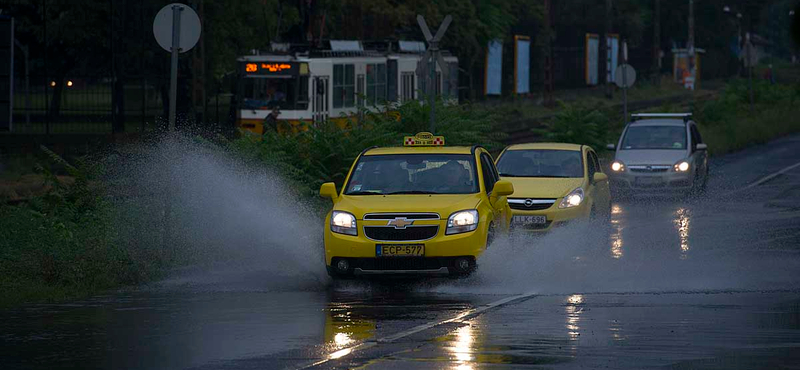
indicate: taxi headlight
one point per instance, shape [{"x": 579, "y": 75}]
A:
[
  {"x": 681, "y": 166},
  {"x": 462, "y": 222},
  {"x": 617, "y": 166},
  {"x": 343, "y": 223},
  {"x": 573, "y": 199}
]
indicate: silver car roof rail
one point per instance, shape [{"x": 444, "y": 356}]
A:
[{"x": 685, "y": 116}]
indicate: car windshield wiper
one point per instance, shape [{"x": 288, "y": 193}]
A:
[
  {"x": 364, "y": 192},
  {"x": 413, "y": 192}
]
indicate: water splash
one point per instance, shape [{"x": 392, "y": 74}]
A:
[{"x": 239, "y": 226}]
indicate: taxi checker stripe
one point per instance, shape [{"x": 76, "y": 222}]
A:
[
  {"x": 409, "y": 141},
  {"x": 437, "y": 141}
]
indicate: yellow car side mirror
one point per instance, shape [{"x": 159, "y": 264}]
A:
[
  {"x": 503, "y": 188},
  {"x": 328, "y": 190}
]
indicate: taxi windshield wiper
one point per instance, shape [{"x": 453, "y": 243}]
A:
[
  {"x": 413, "y": 192},
  {"x": 364, "y": 192}
]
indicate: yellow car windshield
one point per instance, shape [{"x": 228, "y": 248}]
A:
[
  {"x": 413, "y": 174},
  {"x": 540, "y": 163}
]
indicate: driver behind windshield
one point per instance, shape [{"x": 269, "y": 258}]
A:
[{"x": 454, "y": 178}]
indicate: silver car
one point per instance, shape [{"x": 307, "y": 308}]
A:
[{"x": 659, "y": 153}]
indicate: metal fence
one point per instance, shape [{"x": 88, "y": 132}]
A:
[
  {"x": 85, "y": 105},
  {"x": 104, "y": 77}
]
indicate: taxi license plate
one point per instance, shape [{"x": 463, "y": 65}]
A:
[
  {"x": 400, "y": 250},
  {"x": 529, "y": 220}
]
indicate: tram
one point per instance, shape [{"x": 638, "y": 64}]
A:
[{"x": 301, "y": 87}]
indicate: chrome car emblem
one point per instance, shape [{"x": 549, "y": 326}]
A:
[
  {"x": 528, "y": 202},
  {"x": 400, "y": 222}
]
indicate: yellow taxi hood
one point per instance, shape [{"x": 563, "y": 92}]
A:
[
  {"x": 443, "y": 204},
  {"x": 542, "y": 187}
]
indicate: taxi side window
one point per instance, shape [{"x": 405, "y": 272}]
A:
[{"x": 489, "y": 176}]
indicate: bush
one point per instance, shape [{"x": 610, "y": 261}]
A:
[
  {"x": 60, "y": 244},
  {"x": 324, "y": 152},
  {"x": 578, "y": 124}
]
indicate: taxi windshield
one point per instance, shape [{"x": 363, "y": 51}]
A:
[
  {"x": 541, "y": 163},
  {"x": 413, "y": 174},
  {"x": 654, "y": 137}
]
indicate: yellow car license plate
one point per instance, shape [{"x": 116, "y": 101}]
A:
[{"x": 400, "y": 250}]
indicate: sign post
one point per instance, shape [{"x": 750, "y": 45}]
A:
[
  {"x": 624, "y": 77},
  {"x": 177, "y": 30},
  {"x": 427, "y": 65}
]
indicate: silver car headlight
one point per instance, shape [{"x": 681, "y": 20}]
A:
[
  {"x": 343, "y": 223},
  {"x": 681, "y": 166},
  {"x": 573, "y": 199},
  {"x": 462, "y": 222},
  {"x": 617, "y": 166}
]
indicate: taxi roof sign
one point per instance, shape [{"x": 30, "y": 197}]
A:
[{"x": 423, "y": 139}]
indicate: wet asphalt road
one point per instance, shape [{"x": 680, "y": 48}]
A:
[{"x": 710, "y": 283}]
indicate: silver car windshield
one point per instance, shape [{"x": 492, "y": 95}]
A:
[
  {"x": 413, "y": 174},
  {"x": 654, "y": 137},
  {"x": 541, "y": 163}
]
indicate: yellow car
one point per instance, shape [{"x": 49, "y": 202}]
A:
[
  {"x": 554, "y": 183},
  {"x": 424, "y": 208}
]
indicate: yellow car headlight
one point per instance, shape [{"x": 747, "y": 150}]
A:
[
  {"x": 462, "y": 222},
  {"x": 573, "y": 199},
  {"x": 343, "y": 223}
]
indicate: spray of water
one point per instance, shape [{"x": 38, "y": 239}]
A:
[
  {"x": 243, "y": 229},
  {"x": 236, "y": 226},
  {"x": 648, "y": 247}
]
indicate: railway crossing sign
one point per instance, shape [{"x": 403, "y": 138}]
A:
[{"x": 426, "y": 69}]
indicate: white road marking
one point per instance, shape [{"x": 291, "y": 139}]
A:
[
  {"x": 419, "y": 328},
  {"x": 769, "y": 177}
]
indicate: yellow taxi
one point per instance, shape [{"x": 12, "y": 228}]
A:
[
  {"x": 423, "y": 208},
  {"x": 554, "y": 183}
]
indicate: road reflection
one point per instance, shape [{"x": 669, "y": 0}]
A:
[
  {"x": 682, "y": 222},
  {"x": 574, "y": 309},
  {"x": 462, "y": 348},
  {"x": 616, "y": 231},
  {"x": 343, "y": 328}
]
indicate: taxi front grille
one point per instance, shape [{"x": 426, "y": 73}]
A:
[
  {"x": 407, "y": 216},
  {"x": 411, "y": 233}
]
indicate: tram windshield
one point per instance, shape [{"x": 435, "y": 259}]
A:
[{"x": 285, "y": 93}]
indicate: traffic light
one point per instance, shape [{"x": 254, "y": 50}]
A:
[{"x": 6, "y": 71}]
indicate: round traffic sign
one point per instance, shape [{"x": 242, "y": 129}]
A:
[
  {"x": 189, "y": 27},
  {"x": 624, "y": 75}
]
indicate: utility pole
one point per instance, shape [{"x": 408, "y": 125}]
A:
[
  {"x": 657, "y": 41},
  {"x": 199, "y": 73},
  {"x": 548, "y": 54},
  {"x": 690, "y": 46},
  {"x": 607, "y": 51}
]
